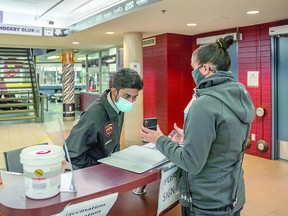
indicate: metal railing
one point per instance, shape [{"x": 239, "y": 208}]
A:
[{"x": 44, "y": 102}]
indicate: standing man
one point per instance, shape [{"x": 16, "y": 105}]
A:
[{"x": 97, "y": 133}]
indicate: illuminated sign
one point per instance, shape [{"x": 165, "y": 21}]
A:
[
  {"x": 20, "y": 30},
  {"x": 32, "y": 30},
  {"x": 118, "y": 10}
]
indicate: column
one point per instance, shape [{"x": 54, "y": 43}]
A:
[
  {"x": 133, "y": 55},
  {"x": 68, "y": 85}
]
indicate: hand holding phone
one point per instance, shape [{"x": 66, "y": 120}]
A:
[
  {"x": 150, "y": 132},
  {"x": 150, "y": 123}
]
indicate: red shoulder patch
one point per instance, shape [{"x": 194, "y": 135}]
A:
[{"x": 108, "y": 128}]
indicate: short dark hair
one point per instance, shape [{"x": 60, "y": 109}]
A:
[
  {"x": 127, "y": 78},
  {"x": 215, "y": 53}
]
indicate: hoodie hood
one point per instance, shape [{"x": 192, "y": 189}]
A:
[{"x": 223, "y": 86}]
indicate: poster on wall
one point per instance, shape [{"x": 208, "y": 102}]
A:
[
  {"x": 253, "y": 78},
  {"x": 135, "y": 66}
]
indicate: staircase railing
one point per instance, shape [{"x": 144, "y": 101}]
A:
[
  {"x": 19, "y": 91},
  {"x": 35, "y": 87}
]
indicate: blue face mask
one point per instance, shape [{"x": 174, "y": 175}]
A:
[
  {"x": 124, "y": 105},
  {"x": 197, "y": 76}
]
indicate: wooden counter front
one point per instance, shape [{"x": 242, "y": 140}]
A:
[{"x": 92, "y": 182}]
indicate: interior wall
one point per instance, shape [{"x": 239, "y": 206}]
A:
[
  {"x": 254, "y": 54},
  {"x": 168, "y": 84}
]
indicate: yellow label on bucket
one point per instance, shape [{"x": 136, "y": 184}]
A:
[{"x": 38, "y": 172}]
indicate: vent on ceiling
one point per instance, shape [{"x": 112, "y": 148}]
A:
[{"x": 149, "y": 42}]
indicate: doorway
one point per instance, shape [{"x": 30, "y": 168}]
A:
[{"x": 280, "y": 92}]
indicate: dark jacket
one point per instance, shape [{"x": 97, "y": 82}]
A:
[
  {"x": 96, "y": 135},
  {"x": 216, "y": 127}
]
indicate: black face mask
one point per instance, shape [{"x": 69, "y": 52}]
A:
[{"x": 197, "y": 76}]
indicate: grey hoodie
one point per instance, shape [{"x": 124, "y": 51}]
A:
[{"x": 216, "y": 127}]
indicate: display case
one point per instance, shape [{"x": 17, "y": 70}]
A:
[
  {"x": 50, "y": 77},
  {"x": 108, "y": 67},
  {"x": 93, "y": 78}
]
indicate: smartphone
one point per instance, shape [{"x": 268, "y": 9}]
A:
[
  {"x": 172, "y": 133},
  {"x": 150, "y": 123}
]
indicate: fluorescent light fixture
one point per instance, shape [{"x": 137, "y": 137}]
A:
[
  {"x": 110, "y": 60},
  {"x": 110, "y": 33},
  {"x": 53, "y": 57},
  {"x": 81, "y": 58},
  {"x": 191, "y": 24},
  {"x": 75, "y": 42},
  {"x": 253, "y": 12}
]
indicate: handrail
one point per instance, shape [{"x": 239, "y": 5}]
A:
[
  {"x": 45, "y": 96},
  {"x": 35, "y": 88}
]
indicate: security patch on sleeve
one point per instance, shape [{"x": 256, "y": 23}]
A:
[{"x": 108, "y": 128}]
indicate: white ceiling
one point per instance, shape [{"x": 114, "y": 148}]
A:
[{"x": 167, "y": 16}]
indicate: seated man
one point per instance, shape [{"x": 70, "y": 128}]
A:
[{"x": 97, "y": 133}]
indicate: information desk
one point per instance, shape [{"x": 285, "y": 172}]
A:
[{"x": 92, "y": 182}]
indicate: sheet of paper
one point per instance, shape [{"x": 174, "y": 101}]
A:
[
  {"x": 66, "y": 181},
  {"x": 9, "y": 178},
  {"x": 136, "y": 158}
]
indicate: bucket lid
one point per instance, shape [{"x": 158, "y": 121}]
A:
[{"x": 42, "y": 153}]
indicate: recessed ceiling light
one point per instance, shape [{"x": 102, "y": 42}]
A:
[
  {"x": 110, "y": 33},
  {"x": 75, "y": 42},
  {"x": 191, "y": 24},
  {"x": 252, "y": 12}
]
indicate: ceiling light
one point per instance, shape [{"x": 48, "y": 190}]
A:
[
  {"x": 53, "y": 57},
  {"x": 75, "y": 42},
  {"x": 81, "y": 58},
  {"x": 110, "y": 33},
  {"x": 252, "y": 12},
  {"x": 191, "y": 24},
  {"x": 110, "y": 60}
]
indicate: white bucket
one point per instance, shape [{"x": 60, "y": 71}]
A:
[{"x": 42, "y": 170}]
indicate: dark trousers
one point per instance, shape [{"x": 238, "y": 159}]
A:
[{"x": 186, "y": 212}]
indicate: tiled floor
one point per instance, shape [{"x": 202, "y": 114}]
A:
[
  {"x": 15, "y": 135},
  {"x": 266, "y": 180}
]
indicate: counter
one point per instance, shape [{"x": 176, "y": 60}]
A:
[{"x": 92, "y": 182}]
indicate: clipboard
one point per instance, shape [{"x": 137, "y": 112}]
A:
[{"x": 68, "y": 176}]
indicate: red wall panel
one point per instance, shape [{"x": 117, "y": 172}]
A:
[
  {"x": 256, "y": 41},
  {"x": 168, "y": 84},
  {"x": 254, "y": 54}
]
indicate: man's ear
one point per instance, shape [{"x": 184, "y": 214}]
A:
[{"x": 113, "y": 93}]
